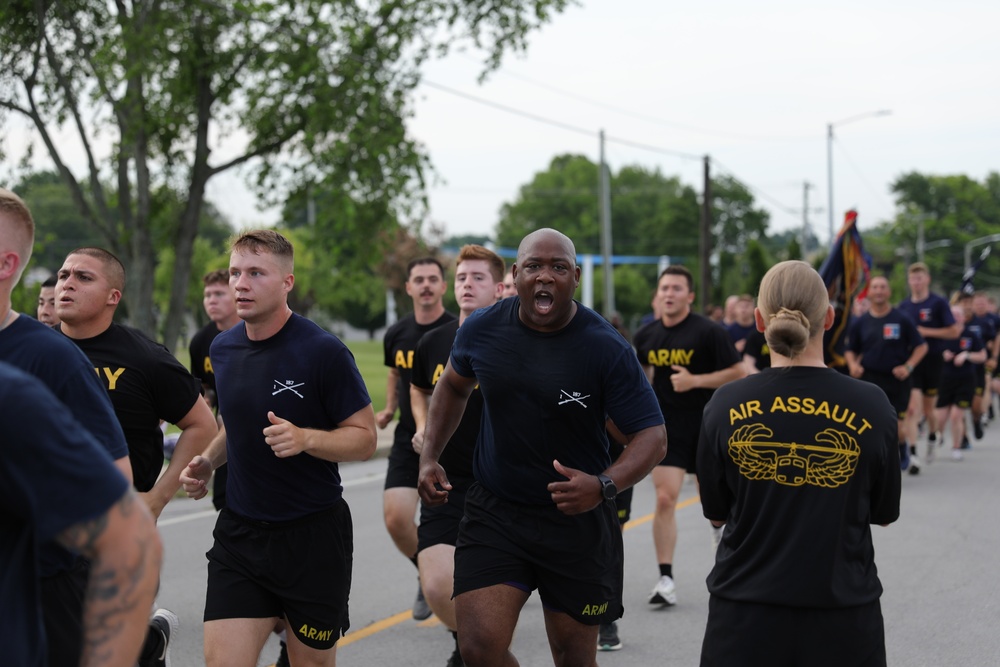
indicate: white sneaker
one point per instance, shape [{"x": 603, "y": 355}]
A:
[
  {"x": 930, "y": 452},
  {"x": 956, "y": 454},
  {"x": 664, "y": 592},
  {"x": 914, "y": 468},
  {"x": 716, "y": 537}
]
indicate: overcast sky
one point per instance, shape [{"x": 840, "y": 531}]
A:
[{"x": 753, "y": 84}]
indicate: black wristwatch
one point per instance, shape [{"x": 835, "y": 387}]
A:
[{"x": 608, "y": 488}]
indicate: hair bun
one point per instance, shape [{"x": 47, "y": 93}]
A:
[{"x": 795, "y": 315}]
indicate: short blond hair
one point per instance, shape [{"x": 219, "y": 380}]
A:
[{"x": 16, "y": 216}]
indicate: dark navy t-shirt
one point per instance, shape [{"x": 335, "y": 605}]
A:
[
  {"x": 43, "y": 352},
  {"x": 304, "y": 375},
  {"x": 969, "y": 341},
  {"x": 547, "y": 396},
  {"x": 53, "y": 474},
  {"x": 933, "y": 312},
  {"x": 884, "y": 342}
]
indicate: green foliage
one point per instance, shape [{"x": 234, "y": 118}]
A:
[{"x": 318, "y": 92}]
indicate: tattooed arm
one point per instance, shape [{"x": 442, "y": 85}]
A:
[{"x": 125, "y": 553}]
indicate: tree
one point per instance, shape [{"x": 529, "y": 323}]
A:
[
  {"x": 320, "y": 90},
  {"x": 952, "y": 208}
]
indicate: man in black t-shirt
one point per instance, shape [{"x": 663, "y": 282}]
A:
[
  {"x": 146, "y": 385},
  {"x": 478, "y": 284},
  {"x": 958, "y": 378},
  {"x": 220, "y": 306},
  {"x": 686, "y": 357},
  {"x": 541, "y": 512},
  {"x": 426, "y": 286},
  {"x": 883, "y": 347}
]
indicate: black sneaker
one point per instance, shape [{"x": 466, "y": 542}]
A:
[
  {"x": 977, "y": 428},
  {"x": 282, "y": 660},
  {"x": 163, "y": 623},
  {"x": 456, "y": 659},
  {"x": 421, "y": 610},
  {"x": 607, "y": 637}
]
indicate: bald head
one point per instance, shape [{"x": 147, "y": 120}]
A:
[
  {"x": 545, "y": 235},
  {"x": 17, "y": 236}
]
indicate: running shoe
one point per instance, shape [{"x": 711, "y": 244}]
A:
[
  {"x": 607, "y": 637},
  {"x": 914, "y": 468},
  {"x": 456, "y": 659},
  {"x": 965, "y": 442},
  {"x": 421, "y": 610},
  {"x": 282, "y": 660},
  {"x": 956, "y": 455},
  {"x": 977, "y": 428},
  {"x": 664, "y": 592},
  {"x": 164, "y": 622}
]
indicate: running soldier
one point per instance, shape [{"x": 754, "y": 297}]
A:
[
  {"x": 478, "y": 284},
  {"x": 958, "y": 378},
  {"x": 293, "y": 405},
  {"x": 883, "y": 347},
  {"x": 425, "y": 284},
  {"x": 686, "y": 357}
]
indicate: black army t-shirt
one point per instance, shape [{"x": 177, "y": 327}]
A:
[
  {"x": 429, "y": 361},
  {"x": 697, "y": 343},
  {"x": 201, "y": 363},
  {"x": 400, "y": 344},
  {"x": 146, "y": 384}
]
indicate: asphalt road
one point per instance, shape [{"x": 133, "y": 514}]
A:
[{"x": 937, "y": 563}]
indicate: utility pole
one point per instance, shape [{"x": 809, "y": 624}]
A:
[
  {"x": 705, "y": 238},
  {"x": 608, "y": 273}
]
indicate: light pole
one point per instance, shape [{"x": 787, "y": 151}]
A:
[{"x": 829, "y": 154}]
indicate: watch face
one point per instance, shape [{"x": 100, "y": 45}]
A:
[{"x": 608, "y": 487}]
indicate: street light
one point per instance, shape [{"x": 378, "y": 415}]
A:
[{"x": 829, "y": 153}]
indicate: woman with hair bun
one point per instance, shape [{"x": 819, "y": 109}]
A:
[{"x": 797, "y": 462}]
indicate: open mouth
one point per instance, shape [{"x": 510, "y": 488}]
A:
[{"x": 544, "y": 301}]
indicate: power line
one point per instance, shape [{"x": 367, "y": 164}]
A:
[{"x": 760, "y": 193}]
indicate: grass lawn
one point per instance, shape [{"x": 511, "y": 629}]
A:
[{"x": 368, "y": 356}]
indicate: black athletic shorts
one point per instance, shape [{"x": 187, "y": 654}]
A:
[
  {"x": 980, "y": 379},
  {"x": 62, "y": 597},
  {"x": 298, "y": 569},
  {"x": 575, "y": 562},
  {"x": 439, "y": 524},
  {"x": 956, "y": 392},
  {"x": 404, "y": 463},
  {"x": 897, "y": 391},
  {"x": 927, "y": 374},
  {"x": 683, "y": 430},
  {"x": 745, "y": 633},
  {"x": 623, "y": 505}
]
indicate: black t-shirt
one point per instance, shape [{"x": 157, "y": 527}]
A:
[
  {"x": 303, "y": 374},
  {"x": 985, "y": 327},
  {"x": 883, "y": 342},
  {"x": 146, "y": 384},
  {"x": 799, "y": 462},
  {"x": 697, "y": 343},
  {"x": 738, "y": 332},
  {"x": 201, "y": 363},
  {"x": 53, "y": 474},
  {"x": 757, "y": 348},
  {"x": 399, "y": 345},
  {"x": 546, "y": 397},
  {"x": 429, "y": 361}
]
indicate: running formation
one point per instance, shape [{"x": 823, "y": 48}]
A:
[{"x": 520, "y": 427}]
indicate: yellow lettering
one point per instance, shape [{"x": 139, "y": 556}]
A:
[
  {"x": 400, "y": 359},
  {"x": 843, "y": 414},
  {"x": 865, "y": 426},
  {"x": 208, "y": 365},
  {"x": 823, "y": 410},
  {"x": 794, "y": 404},
  {"x": 312, "y": 633},
  {"x": 304, "y": 630},
  {"x": 809, "y": 406},
  {"x": 745, "y": 411},
  {"x": 112, "y": 377},
  {"x": 437, "y": 373},
  {"x": 664, "y": 357},
  {"x": 778, "y": 405}
]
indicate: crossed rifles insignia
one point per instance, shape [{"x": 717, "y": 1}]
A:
[{"x": 828, "y": 463}]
